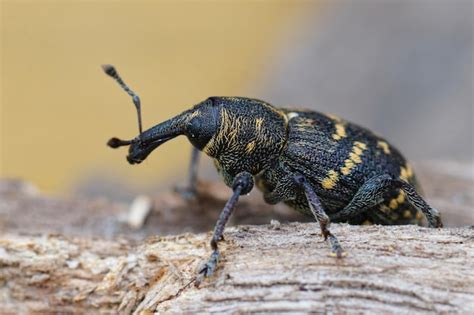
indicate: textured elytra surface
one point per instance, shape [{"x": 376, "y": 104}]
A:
[{"x": 404, "y": 269}]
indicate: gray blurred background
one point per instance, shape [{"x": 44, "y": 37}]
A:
[{"x": 401, "y": 68}]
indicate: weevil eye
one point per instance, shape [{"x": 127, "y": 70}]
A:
[{"x": 199, "y": 132}]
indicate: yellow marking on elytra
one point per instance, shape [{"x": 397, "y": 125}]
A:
[
  {"x": 357, "y": 150},
  {"x": 393, "y": 204},
  {"x": 401, "y": 197},
  {"x": 384, "y": 146},
  {"x": 407, "y": 214},
  {"x": 250, "y": 147},
  {"x": 348, "y": 165},
  {"x": 354, "y": 157},
  {"x": 340, "y": 132},
  {"x": 258, "y": 124},
  {"x": 330, "y": 181},
  {"x": 409, "y": 170},
  {"x": 361, "y": 145},
  {"x": 403, "y": 174},
  {"x": 406, "y": 172},
  {"x": 367, "y": 222}
]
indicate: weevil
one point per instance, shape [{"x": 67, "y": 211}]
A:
[{"x": 319, "y": 164}]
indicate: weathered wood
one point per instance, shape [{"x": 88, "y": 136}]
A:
[
  {"x": 79, "y": 255},
  {"x": 404, "y": 269}
]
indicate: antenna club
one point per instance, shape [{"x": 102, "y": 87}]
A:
[
  {"x": 116, "y": 142},
  {"x": 109, "y": 70}
]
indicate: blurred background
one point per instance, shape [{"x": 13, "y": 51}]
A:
[{"x": 401, "y": 68}]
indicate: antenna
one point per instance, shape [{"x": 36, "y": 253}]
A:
[
  {"x": 116, "y": 142},
  {"x": 110, "y": 71}
]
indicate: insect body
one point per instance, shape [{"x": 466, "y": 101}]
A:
[{"x": 318, "y": 164}]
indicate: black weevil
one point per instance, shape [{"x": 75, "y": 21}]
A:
[{"x": 318, "y": 164}]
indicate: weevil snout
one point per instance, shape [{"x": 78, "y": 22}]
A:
[
  {"x": 140, "y": 149},
  {"x": 199, "y": 124}
]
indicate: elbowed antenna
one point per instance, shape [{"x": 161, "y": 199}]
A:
[{"x": 110, "y": 71}]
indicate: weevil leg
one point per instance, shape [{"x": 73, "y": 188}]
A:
[
  {"x": 432, "y": 215},
  {"x": 370, "y": 194},
  {"x": 190, "y": 190},
  {"x": 193, "y": 170},
  {"x": 242, "y": 184},
  {"x": 321, "y": 216}
]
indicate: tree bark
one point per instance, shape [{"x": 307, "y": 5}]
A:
[{"x": 269, "y": 268}]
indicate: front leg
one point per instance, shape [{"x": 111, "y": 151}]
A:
[
  {"x": 242, "y": 184},
  {"x": 189, "y": 191},
  {"x": 321, "y": 216}
]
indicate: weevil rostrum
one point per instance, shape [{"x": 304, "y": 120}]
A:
[{"x": 318, "y": 164}]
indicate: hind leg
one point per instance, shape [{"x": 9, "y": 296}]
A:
[
  {"x": 431, "y": 214},
  {"x": 372, "y": 193}
]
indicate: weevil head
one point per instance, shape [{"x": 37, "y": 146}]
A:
[
  {"x": 241, "y": 134},
  {"x": 199, "y": 124}
]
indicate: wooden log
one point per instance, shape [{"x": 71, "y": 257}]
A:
[
  {"x": 75, "y": 255},
  {"x": 286, "y": 268}
]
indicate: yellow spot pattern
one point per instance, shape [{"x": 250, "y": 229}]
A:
[
  {"x": 395, "y": 202},
  {"x": 406, "y": 172},
  {"x": 250, "y": 147},
  {"x": 401, "y": 197},
  {"x": 384, "y": 146},
  {"x": 258, "y": 124},
  {"x": 360, "y": 145},
  {"x": 354, "y": 157},
  {"x": 330, "y": 181},
  {"x": 340, "y": 132},
  {"x": 407, "y": 214}
]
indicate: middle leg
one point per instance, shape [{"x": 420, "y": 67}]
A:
[
  {"x": 189, "y": 191},
  {"x": 320, "y": 215}
]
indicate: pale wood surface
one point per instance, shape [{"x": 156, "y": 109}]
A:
[
  {"x": 64, "y": 255},
  {"x": 404, "y": 269}
]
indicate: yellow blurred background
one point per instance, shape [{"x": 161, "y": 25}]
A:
[{"x": 58, "y": 109}]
